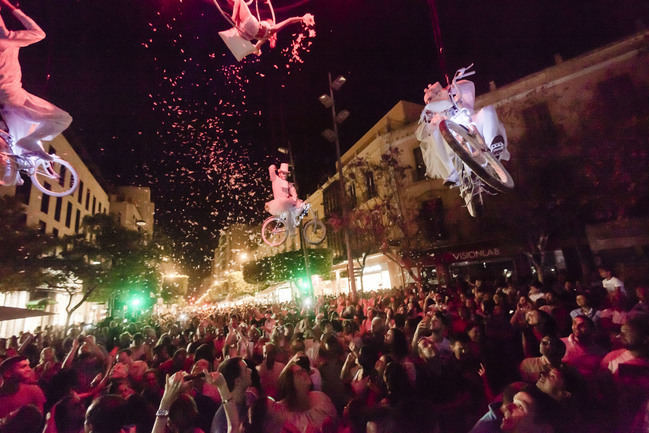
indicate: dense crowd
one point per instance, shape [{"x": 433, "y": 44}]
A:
[{"x": 476, "y": 357}]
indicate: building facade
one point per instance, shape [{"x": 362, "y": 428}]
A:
[
  {"x": 62, "y": 216},
  {"x": 545, "y": 114}
]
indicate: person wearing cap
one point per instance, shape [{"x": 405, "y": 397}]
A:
[
  {"x": 22, "y": 110},
  {"x": 19, "y": 386},
  {"x": 284, "y": 193}
]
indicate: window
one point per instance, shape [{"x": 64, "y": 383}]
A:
[
  {"x": 539, "y": 127},
  {"x": 99, "y": 208},
  {"x": 331, "y": 198},
  {"x": 52, "y": 150},
  {"x": 420, "y": 166},
  {"x": 80, "y": 193},
  {"x": 23, "y": 191},
  {"x": 370, "y": 185},
  {"x": 45, "y": 199},
  {"x": 57, "y": 209},
  {"x": 77, "y": 221},
  {"x": 62, "y": 171},
  {"x": 619, "y": 93},
  {"x": 351, "y": 193},
  {"x": 94, "y": 202},
  {"x": 55, "y": 232},
  {"x": 68, "y": 215},
  {"x": 87, "y": 199},
  {"x": 42, "y": 226}
]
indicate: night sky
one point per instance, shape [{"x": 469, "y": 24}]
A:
[{"x": 158, "y": 100}]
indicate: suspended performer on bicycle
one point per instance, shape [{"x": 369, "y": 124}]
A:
[
  {"x": 247, "y": 27},
  {"x": 28, "y": 117},
  {"x": 285, "y": 200},
  {"x": 440, "y": 102}
]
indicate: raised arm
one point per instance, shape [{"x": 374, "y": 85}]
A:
[
  {"x": 229, "y": 406},
  {"x": 32, "y": 33},
  {"x": 272, "y": 172}
]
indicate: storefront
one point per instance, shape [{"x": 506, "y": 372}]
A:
[{"x": 486, "y": 261}]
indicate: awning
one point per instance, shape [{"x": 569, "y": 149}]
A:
[{"x": 11, "y": 313}]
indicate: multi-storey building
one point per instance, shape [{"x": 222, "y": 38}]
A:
[{"x": 61, "y": 216}]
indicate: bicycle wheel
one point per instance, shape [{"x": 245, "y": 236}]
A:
[
  {"x": 473, "y": 152},
  {"x": 274, "y": 231},
  {"x": 50, "y": 177},
  {"x": 314, "y": 232}
]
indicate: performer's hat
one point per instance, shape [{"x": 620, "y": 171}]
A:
[{"x": 283, "y": 167}]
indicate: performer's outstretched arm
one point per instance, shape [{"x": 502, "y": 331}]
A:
[
  {"x": 272, "y": 171},
  {"x": 32, "y": 33},
  {"x": 294, "y": 20}
]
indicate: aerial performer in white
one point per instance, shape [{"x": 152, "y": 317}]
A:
[
  {"x": 247, "y": 27},
  {"x": 28, "y": 117},
  {"x": 285, "y": 200},
  {"x": 440, "y": 103}
]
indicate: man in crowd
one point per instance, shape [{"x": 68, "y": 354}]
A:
[
  {"x": 19, "y": 386},
  {"x": 582, "y": 352}
]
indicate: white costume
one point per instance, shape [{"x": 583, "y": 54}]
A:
[
  {"x": 285, "y": 196},
  {"x": 28, "y": 117},
  {"x": 437, "y": 155}
]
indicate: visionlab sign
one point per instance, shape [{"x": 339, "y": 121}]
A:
[{"x": 471, "y": 255}]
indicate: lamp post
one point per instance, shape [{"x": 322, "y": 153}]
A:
[{"x": 332, "y": 136}]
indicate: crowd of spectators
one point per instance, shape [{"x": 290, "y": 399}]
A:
[{"x": 477, "y": 357}]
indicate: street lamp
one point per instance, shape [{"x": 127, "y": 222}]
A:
[{"x": 332, "y": 136}]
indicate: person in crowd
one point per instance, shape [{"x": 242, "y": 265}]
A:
[
  {"x": 19, "y": 386},
  {"x": 106, "y": 414},
  {"x": 582, "y": 351},
  {"x": 613, "y": 285},
  {"x": 238, "y": 378},
  {"x": 300, "y": 408},
  {"x": 552, "y": 350},
  {"x": 269, "y": 370},
  {"x": 584, "y": 308}
]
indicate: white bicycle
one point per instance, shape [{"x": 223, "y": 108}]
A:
[
  {"x": 48, "y": 176},
  {"x": 479, "y": 169},
  {"x": 275, "y": 229}
]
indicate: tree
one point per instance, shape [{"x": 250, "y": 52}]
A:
[
  {"x": 21, "y": 266},
  {"x": 107, "y": 263},
  {"x": 287, "y": 266},
  {"x": 385, "y": 219}
]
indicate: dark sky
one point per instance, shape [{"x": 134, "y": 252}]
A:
[{"x": 158, "y": 100}]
